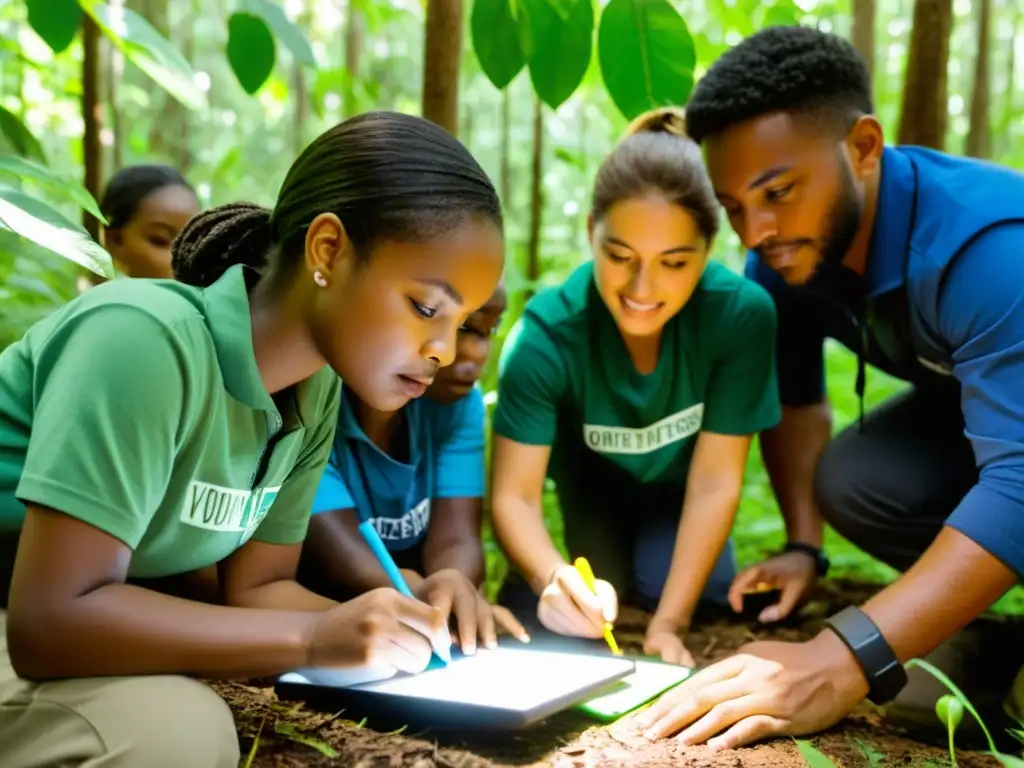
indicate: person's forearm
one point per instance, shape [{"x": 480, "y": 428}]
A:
[
  {"x": 523, "y": 536},
  {"x": 791, "y": 451},
  {"x": 464, "y": 555},
  {"x": 953, "y": 582},
  {"x": 341, "y": 556},
  {"x": 120, "y": 629},
  {"x": 284, "y": 595},
  {"x": 703, "y": 531}
]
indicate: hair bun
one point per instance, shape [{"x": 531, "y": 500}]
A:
[{"x": 661, "y": 120}]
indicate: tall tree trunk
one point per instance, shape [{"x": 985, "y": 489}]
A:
[
  {"x": 863, "y": 33},
  {"x": 115, "y": 71},
  {"x": 506, "y": 159},
  {"x": 442, "y": 54},
  {"x": 92, "y": 149},
  {"x": 1011, "y": 76},
  {"x": 353, "y": 52},
  {"x": 924, "y": 110},
  {"x": 536, "y": 198},
  {"x": 301, "y": 91},
  {"x": 980, "y": 133}
]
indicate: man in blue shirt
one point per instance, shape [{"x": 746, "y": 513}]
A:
[{"x": 914, "y": 260}]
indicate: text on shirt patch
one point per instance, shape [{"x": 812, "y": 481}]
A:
[
  {"x": 666, "y": 431},
  {"x": 408, "y": 526},
  {"x": 226, "y": 510}
]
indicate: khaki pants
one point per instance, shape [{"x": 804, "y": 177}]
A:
[{"x": 162, "y": 721}]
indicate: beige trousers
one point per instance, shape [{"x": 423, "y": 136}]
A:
[{"x": 162, "y": 721}]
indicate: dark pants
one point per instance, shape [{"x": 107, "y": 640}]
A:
[
  {"x": 628, "y": 540},
  {"x": 890, "y": 488}
]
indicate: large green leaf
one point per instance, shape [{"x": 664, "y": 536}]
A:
[
  {"x": 38, "y": 223},
  {"x": 283, "y": 29},
  {"x": 19, "y": 137},
  {"x": 557, "y": 51},
  {"x": 251, "y": 50},
  {"x": 496, "y": 41},
  {"x": 56, "y": 21},
  {"x": 647, "y": 55},
  {"x": 29, "y": 169},
  {"x": 148, "y": 50}
]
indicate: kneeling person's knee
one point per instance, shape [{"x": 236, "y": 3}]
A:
[{"x": 163, "y": 722}]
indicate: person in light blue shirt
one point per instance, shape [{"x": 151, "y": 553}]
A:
[
  {"x": 418, "y": 475},
  {"x": 914, "y": 260}
]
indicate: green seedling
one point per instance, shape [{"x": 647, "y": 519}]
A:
[
  {"x": 951, "y": 712},
  {"x": 813, "y": 756},
  {"x": 872, "y": 755},
  {"x": 292, "y": 733},
  {"x": 1008, "y": 761},
  {"x": 255, "y": 745}
]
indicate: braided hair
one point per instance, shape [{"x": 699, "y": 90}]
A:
[
  {"x": 126, "y": 189},
  {"x": 385, "y": 175}
]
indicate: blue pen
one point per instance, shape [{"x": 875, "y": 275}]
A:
[{"x": 387, "y": 562}]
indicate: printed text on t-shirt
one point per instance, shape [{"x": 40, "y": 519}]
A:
[{"x": 666, "y": 431}]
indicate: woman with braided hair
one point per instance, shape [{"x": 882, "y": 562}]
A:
[
  {"x": 157, "y": 427},
  {"x": 647, "y": 439}
]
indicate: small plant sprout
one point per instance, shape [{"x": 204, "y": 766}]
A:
[
  {"x": 951, "y": 712},
  {"x": 813, "y": 756}
]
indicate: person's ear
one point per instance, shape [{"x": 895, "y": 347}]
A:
[
  {"x": 864, "y": 145},
  {"x": 111, "y": 238},
  {"x": 591, "y": 225},
  {"x": 329, "y": 250}
]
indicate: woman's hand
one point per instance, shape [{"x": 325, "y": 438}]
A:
[
  {"x": 450, "y": 592},
  {"x": 379, "y": 627},
  {"x": 663, "y": 639},
  {"x": 766, "y": 689},
  {"x": 793, "y": 573},
  {"x": 568, "y": 607}
]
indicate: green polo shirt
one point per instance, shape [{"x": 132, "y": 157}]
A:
[
  {"x": 566, "y": 380},
  {"x": 138, "y": 408}
]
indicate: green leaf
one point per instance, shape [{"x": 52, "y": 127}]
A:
[
  {"x": 284, "y": 29},
  {"x": 562, "y": 7},
  {"x": 1008, "y": 760},
  {"x": 19, "y": 137},
  {"x": 557, "y": 52},
  {"x": 148, "y": 50},
  {"x": 38, "y": 226},
  {"x": 950, "y": 711},
  {"x": 29, "y": 169},
  {"x": 812, "y": 756},
  {"x": 647, "y": 55},
  {"x": 56, "y": 21},
  {"x": 251, "y": 50},
  {"x": 39, "y": 209},
  {"x": 291, "y": 731},
  {"x": 496, "y": 41},
  {"x": 782, "y": 14}
]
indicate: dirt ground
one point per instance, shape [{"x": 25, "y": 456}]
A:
[{"x": 292, "y": 736}]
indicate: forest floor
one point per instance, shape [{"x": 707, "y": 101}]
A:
[{"x": 291, "y": 736}]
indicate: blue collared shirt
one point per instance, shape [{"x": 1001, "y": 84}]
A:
[
  {"x": 950, "y": 231},
  {"x": 446, "y": 460}
]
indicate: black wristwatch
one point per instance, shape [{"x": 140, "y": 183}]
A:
[
  {"x": 820, "y": 558},
  {"x": 886, "y": 676}
]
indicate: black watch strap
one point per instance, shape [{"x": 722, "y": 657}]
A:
[
  {"x": 820, "y": 558},
  {"x": 886, "y": 676}
]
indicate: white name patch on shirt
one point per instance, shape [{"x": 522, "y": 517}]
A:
[
  {"x": 666, "y": 431},
  {"x": 226, "y": 510}
]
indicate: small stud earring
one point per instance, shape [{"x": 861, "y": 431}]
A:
[{"x": 319, "y": 279}]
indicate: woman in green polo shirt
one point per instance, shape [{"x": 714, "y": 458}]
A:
[
  {"x": 636, "y": 386},
  {"x": 152, "y": 428}
]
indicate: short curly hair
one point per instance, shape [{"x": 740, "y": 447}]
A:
[{"x": 782, "y": 69}]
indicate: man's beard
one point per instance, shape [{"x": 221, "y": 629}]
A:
[{"x": 844, "y": 220}]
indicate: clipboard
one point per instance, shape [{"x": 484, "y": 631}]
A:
[{"x": 651, "y": 678}]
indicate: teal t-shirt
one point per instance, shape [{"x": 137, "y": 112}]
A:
[
  {"x": 567, "y": 380},
  {"x": 446, "y": 460},
  {"x": 139, "y": 409}
]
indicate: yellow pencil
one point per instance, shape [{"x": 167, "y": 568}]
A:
[{"x": 583, "y": 567}]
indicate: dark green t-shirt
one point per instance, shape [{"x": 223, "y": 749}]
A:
[
  {"x": 139, "y": 409},
  {"x": 566, "y": 380}
]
